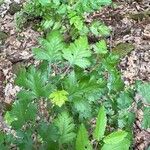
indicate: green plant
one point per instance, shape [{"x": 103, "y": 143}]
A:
[
  {"x": 72, "y": 85},
  {"x": 144, "y": 103},
  {"x": 115, "y": 140},
  {"x": 67, "y": 16},
  {"x": 75, "y": 83}
]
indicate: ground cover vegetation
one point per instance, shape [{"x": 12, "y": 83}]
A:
[{"x": 75, "y": 98}]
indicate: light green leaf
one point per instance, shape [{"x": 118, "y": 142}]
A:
[
  {"x": 144, "y": 91},
  {"x": 146, "y": 118},
  {"x": 105, "y": 2},
  {"x": 104, "y": 30},
  {"x": 47, "y": 24},
  {"x": 123, "y": 145},
  {"x": 82, "y": 141},
  {"x": 100, "y": 124},
  {"x": 91, "y": 5},
  {"x": 78, "y": 52},
  {"x": 115, "y": 137},
  {"x": 77, "y": 22},
  {"x": 44, "y": 2},
  {"x": 59, "y": 97},
  {"x": 9, "y": 119},
  {"x": 101, "y": 47},
  {"x": 56, "y": 2},
  {"x": 99, "y": 29}
]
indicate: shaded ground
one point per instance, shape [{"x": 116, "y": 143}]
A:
[
  {"x": 15, "y": 51},
  {"x": 130, "y": 23}
]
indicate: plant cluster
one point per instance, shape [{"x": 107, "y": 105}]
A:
[
  {"x": 67, "y": 16},
  {"x": 75, "y": 98}
]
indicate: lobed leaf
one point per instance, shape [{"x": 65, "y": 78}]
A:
[
  {"x": 78, "y": 53},
  {"x": 59, "y": 97},
  {"x": 51, "y": 47}
]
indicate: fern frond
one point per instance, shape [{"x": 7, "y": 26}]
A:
[{"x": 66, "y": 128}]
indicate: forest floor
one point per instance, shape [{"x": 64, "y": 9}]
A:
[{"x": 130, "y": 23}]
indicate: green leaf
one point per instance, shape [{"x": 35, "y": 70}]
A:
[
  {"x": 123, "y": 145},
  {"x": 44, "y": 2},
  {"x": 82, "y": 107},
  {"x": 115, "y": 137},
  {"x": 100, "y": 124},
  {"x": 144, "y": 91},
  {"x": 84, "y": 85},
  {"x": 51, "y": 47},
  {"x": 56, "y": 2},
  {"x": 146, "y": 118},
  {"x": 110, "y": 62},
  {"x": 21, "y": 110},
  {"x": 47, "y": 24},
  {"x": 65, "y": 127},
  {"x": 126, "y": 119},
  {"x": 5, "y": 140},
  {"x": 8, "y": 118},
  {"x": 82, "y": 141},
  {"x": 94, "y": 29},
  {"x": 105, "y": 2},
  {"x": 76, "y": 20},
  {"x": 125, "y": 100},
  {"x": 59, "y": 97},
  {"x": 32, "y": 79},
  {"x": 115, "y": 82},
  {"x": 99, "y": 29},
  {"x": 27, "y": 141},
  {"x": 48, "y": 132},
  {"x": 101, "y": 47},
  {"x": 78, "y": 52},
  {"x": 104, "y": 30},
  {"x": 91, "y": 5},
  {"x": 2, "y": 138}
]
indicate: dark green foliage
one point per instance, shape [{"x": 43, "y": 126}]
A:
[
  {"x": 74, "y": 83},
  {"x": 51, "y": 47},
  {"x": 35, "y": 81},
  {"x": 67, "y": 16},
  {"x": 66, "y": 127},
  {"x": 73, "y": 94}
]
